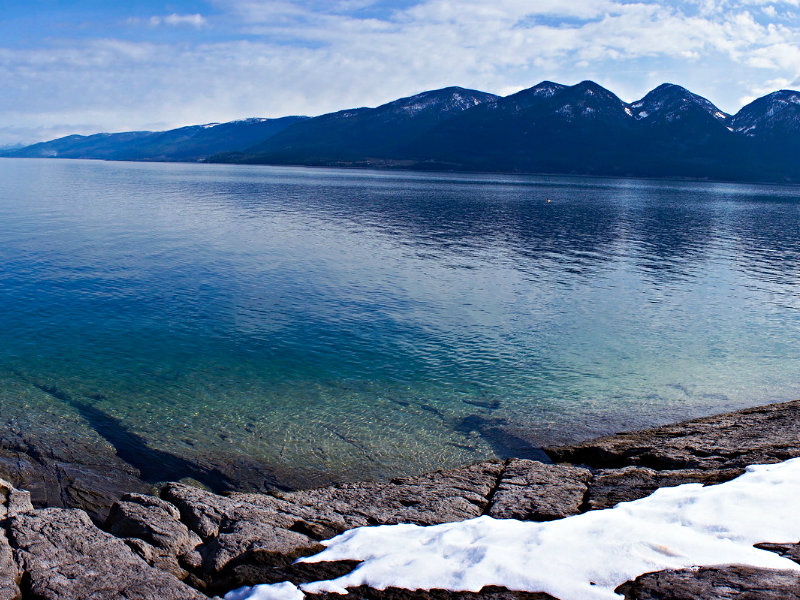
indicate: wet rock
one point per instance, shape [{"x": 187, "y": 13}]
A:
[
  {"x": 533, "y": 491},
  {"x": 66, "y": 557},
  {"x": 714, "y": 583},
  {"x": 52, "y": 481},
  {"x": 761, "y": 435},
  {"x": 790, "y": 551},
  {"x": 487, "y": 593},
  {"x": 93, "y": 489},
  {"x": 611, "y": 486}
]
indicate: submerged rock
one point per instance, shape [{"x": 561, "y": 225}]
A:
[
  {"x": 714, "y": 583},
  {"x": 65, "y": 473}
]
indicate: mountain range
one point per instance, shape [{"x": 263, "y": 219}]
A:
[{"x": 548, "y": 128}]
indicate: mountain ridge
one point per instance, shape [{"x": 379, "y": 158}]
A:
[{"x": 547, "y": 128}]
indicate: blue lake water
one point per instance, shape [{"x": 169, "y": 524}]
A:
[{"x": 347, "y": 324}]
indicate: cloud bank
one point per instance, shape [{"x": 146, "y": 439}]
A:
[{"x": 244, "y": 58}]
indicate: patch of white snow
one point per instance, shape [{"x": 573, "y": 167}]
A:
[
  {"x": 275, "y": 591},
  {"x": 582, "y": 557}
]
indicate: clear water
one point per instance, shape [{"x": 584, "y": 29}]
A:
[{"x": 347, "y": 324}]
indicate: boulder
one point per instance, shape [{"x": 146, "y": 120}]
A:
[{"x": 152, "y": 529}]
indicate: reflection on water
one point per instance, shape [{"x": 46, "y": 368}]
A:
[{"x": 345, "y": 324}]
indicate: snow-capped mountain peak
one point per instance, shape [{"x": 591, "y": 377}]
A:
[
  {"x": 443, "y": 100},
  {"x": 670, "y": 102},
  {"x": 778, "y": 112}
]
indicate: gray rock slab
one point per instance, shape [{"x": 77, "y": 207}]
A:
[
  {"x": 10, "y": 574},
  {"x": 12, "y": 502},
  {"x": 611, "y": 486},
  {"x": 440, "y": 497},
  {"x": 153, "y": 520},
  {"x": 533, "y": 491},
  {"x": 714, "y": 583},
  {"x": 760, "y": 435},
  {"x": 66, "y": 557}
]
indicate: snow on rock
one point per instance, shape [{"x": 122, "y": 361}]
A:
[{"x": 582, "y": 557}]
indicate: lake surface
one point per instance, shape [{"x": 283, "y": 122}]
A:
[{"x": 345, "y": 324}]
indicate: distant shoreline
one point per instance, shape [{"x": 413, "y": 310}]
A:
[{"x": 399, "y": 169}]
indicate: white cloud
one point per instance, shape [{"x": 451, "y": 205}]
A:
[
  {"x": 309, "y": 57},
  {"x": 196, "y": 20}
]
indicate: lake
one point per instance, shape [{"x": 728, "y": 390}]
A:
[{"x": 350, "y": 324}]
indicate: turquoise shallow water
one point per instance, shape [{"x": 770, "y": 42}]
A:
[{"x": 349, "y": 324}]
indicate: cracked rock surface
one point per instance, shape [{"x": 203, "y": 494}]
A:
[
  {"x": 533, "y": 491},
  {"x": 760, "y": 435},
  {"x": 608, "y": 487},
  {"x": 254, "y": 538},
  {"x": 714, "y": 583},
  {"x": 64, "y": 556}
]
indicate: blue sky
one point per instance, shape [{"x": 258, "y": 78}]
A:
[{"x": 90, "y": 65}]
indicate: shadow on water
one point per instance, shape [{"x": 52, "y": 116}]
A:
[
  {"x": 504, "y": 444},
  {"x": 153, "y": 465}
]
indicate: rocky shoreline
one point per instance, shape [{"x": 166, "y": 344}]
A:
[{"x": 97, "y": 540}]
